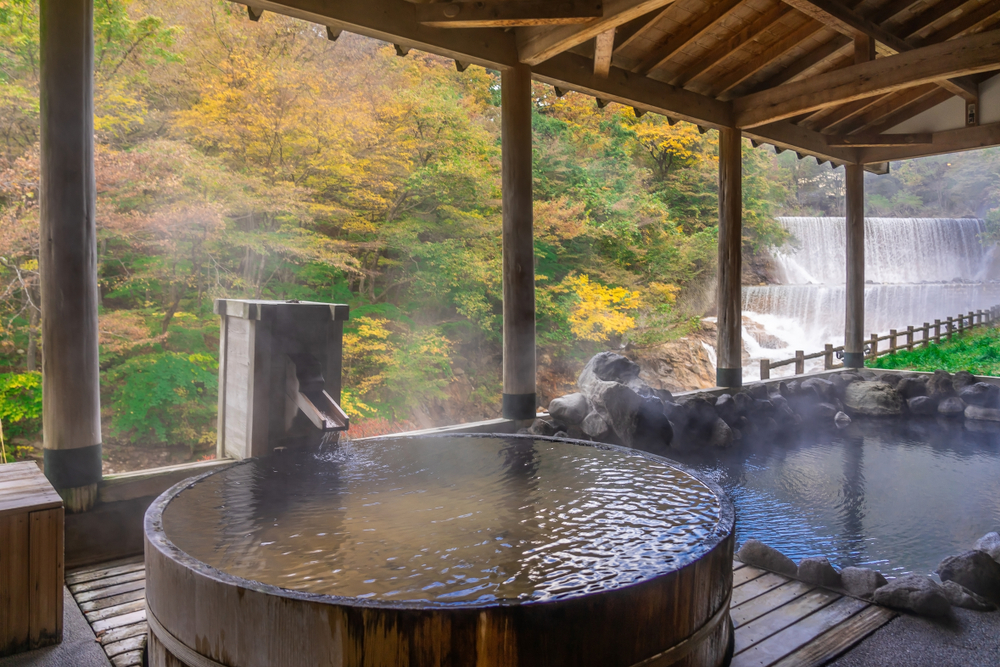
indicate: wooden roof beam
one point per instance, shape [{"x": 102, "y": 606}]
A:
[
  {"x": 509, "y": 14},
  {"x": 730, "y": 81},
  {"x": 538, "y": 44},
  {"x": 891, "y": 110},
  {"x": 968, "y": 55},
  {"x": 881, "y": 140},
  {"x": 785, "y": 136},
  {"x": 604, "y": 47},
  {"x": 949, "y": 141},
  {"x": 627, "y": 33},
  {"x": 687, "y": 34},
  {"x": 850, "y": 23},
  {"x": 732, "y": 45}
]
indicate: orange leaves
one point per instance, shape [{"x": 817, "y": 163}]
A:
[
  {"x": 122, "y": 331},
  {"x": 559, "y": 220}
]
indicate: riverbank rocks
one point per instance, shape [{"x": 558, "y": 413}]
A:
[
  {"x": 875, "y": 399},
  {"x": 570, "y": 409},
  {"x": 981, "y": 413},
  {"x": 940, "y": 386},
  {"x": 960, "y": 596},
  {"x": 990, "y": 543},
  {"x": 818, "y": 571},
  {"x": 922, "y": 405},
  {"x": 756, "y": 553},
  {"x": 980, "y": 394},
  {"x": 914, "y": 593},
  {"x": 974, "y": 570},
  {"x": 841, "y": 420},
  {"x": 951, "y": 407},
  {"x": 861, "y": 582},
  {"x": 911, "y": 387}
]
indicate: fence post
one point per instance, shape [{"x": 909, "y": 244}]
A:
[
  {"x": 972, "y": 320},
  {"x": 979, "y": 317},
  {"x": 800, "y": 362},
  {"x": 927, "y": 333},
  {"x": 909, "y": 337},
  {"x": 950, "y": 327},
  {"x": 765, "y": 369},
  {"x": 828, "y": 356},
  {"x": 961, "y": 324},
  {"x": 874, "y": 346},
  {"x": 892, "y": 341},
  {"x": 937, "y": 331}
]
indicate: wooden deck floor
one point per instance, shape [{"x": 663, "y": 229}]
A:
[
  {"x": 112, "y": 598},
  {"x": 779, "y": 621}
]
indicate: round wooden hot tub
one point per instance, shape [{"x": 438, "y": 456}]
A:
[{"x": 487, "y": 551}]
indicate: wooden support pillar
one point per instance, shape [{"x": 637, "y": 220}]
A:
[
  {"x": 518, "y": 249},
  {"x": 854, "y": 336},
  {"x": 71, "y": 410},
  {"x": 729, "y": 349}
]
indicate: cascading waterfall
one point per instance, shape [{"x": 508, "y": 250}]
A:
[{"x": 916, "y": 269}]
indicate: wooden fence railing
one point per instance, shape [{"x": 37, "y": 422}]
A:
[{"x": 941, "y": 330}]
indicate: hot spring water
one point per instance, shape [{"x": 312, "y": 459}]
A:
[{"x": 916, "y": 269}]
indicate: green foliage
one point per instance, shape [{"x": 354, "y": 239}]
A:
[
  {"x": 164, "y": 397},
  {"x": 977, "y": 352},
  {"x": 21, "y": 403}
]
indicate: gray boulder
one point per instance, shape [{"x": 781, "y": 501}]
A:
[
  {"x": 910, "y": 387},
  {"x": 914, "y": 593},
  {"x": 542, "y": 427},
  {"x": 825, "y": 410},
  {"x": 595, "y": 426},
  {"x": 873, "y": 398},
  {"x": 962, "y": 379},
  {"x": 891, "y": 379},
  {"x": 653, "y": 430},
  {"x": 756, "y": 553},
  {"x": 940, "y": 385},
  {"x": 975, "y": 570},
  {"x": 922, "y": 405},
  {"x": 861, "y": 582},
  {"x": 758, "y": 390},
  {"x": 981, "y": 413},
  {"x": 570, "y": 409},
  {"x": 824, "y": 388},
  {"x": 818, "y": 571},
  {"x": 980, "y": 394},
  {"x": 619, "y": 406},
  {"x": 609, "y": 367},
  {"x": 951, "y": 407},
  {"x": 722, "y": 435},
  {"x": 990, "y": 543},
  {"x": 960, "y": 596},
  {"x": 841, "y": 420}
]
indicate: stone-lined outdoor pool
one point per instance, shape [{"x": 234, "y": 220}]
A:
[{"x": 896, "y": 494}]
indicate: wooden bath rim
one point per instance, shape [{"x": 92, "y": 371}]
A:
[{"x": 203, "y": 617}]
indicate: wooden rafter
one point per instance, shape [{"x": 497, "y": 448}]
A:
[
  {"x": 849, "y": 23},
  {"x": 961, "y": 57},
  {"x": 731, "y": 46},
  {"x": 892, "y": 110},
  {"x": 508, "y": 14},
  {"x": 949, "y": 141},
  {"x": 680, "y": 39},
  {"x": 628, "y": 33},
  {"x": 536, "y": 45},
  {"x": 881, "y": 140},
  {"x": 726, "y": 84}
]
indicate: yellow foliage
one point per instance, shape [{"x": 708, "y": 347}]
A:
[
  {"x": 664, "y": 292},
  {"x": 601, "y": 311},
  {"x": 367, "y": 355},
  {"x": 670, "y": 146}
]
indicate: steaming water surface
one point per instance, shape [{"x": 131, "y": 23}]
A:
[
  {"x": 447, "y": 520},
  {"x": 897, "y": 495}
]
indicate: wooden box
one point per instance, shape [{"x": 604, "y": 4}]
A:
[{"x": 31, "y": 559}]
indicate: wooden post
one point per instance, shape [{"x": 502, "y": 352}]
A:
[
  {"x": 950, "y": 328},
  {"x": 828, "y": 356},
  {"x": 518, "y": 249},
  {"x": 874, "y": 346},
  {"x": 927, "y": 333},
  {"x": 909, "y": 337},
  {"x": 892, "y": 341},
  {"x": 854, "y": 350},
  {"x": 961, "y": 324},
  {"x": 937, "y": 331},
  {"x": 972, "y": 320},
  {"x": 71, "y": 405},
  {"x": 765, "y": 369},
  {"x": 800, "y": 362},
  {"x": 729, "y": 369}
]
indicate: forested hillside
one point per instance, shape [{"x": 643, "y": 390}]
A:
[{"x": 242, "y": 159}]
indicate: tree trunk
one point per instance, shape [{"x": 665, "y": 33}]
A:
[{"x": 33, "y": 339}]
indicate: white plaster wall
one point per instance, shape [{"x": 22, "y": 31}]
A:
[{"x": 950, "y": 114}]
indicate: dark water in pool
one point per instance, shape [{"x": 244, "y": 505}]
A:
[
  {"x": 897, "y": 495},
  {"x": 447, "y": 520}
]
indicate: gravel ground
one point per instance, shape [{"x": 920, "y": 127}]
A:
[
  {"x": 972, "y": 639},
  {"x": 79, "y": 647}
]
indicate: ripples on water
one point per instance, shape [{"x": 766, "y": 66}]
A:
[
  {"x": 897, "y": 495},
  {"x": 446, "y": 520}
]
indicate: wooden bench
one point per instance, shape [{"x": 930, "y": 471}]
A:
[{"x": 31, "y": 559}]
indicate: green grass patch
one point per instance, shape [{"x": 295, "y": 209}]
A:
[{"x": 977, "y": 352}]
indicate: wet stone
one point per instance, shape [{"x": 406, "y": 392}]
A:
[
  {"x": 861, "y": 582},
  {"x": 951, "y": 407},
  {"x": 914, "y": 593},
  {"x": 571, "y": 408},
  {"x": 960, "y": 596},
  {"x": 818, "y": 571},
  {"x": 990, "y": 543},
  {"x": 756, "y": 553},
  {"x": 974, "y": 570},
  {"x": 922, "y": 405}
]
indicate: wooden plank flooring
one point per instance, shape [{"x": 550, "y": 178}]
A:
[
  {"x": 112, "y": 597},
  {"x": 779, "y": 621},
  {"x": 782, "y": 622}
]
